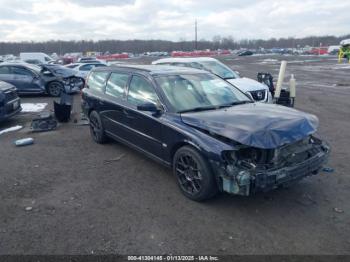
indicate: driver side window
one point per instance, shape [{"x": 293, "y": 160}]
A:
[{"x": 141, "y": 91}]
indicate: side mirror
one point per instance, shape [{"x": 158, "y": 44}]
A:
[
  {"x": 149, "y": 107},
  {"x": 237, "y": 73}
]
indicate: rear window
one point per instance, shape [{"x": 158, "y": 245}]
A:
[{"x": 97, "y": 80}]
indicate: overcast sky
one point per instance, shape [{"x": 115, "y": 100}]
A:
[{"x": 38, "y": 20}]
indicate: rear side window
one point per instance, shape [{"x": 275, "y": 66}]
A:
[
  {"x": 116, "y": 84},
  {"x": 141, "y": 91},
  {"x": 4, "y": 70},
  {"x": 97, "y": 80}
]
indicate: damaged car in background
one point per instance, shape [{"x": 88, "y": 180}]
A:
[
  {"x": 214, "y": 137},
  {"x": 44, "y": 79}
]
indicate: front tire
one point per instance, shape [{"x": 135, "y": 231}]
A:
[
  {"x": 96, "y": 128},
  {"x": 54, "y": 88},
  {"x": 193, "y": 174}
]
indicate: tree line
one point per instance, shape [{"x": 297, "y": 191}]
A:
[{"x": 139, "y": 46}]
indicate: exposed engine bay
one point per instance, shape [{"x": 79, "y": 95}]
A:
[{"x": 248, "y": 170}]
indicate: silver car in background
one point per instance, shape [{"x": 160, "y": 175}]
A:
[{"x": 258, "y": 91}]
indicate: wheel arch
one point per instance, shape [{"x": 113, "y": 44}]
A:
[{"x": 178, "y": 145}]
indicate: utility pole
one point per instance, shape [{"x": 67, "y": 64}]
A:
[{"x": 195, "y": 35}]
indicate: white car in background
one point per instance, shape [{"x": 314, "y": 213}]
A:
[
  {"x": 258, "y": 91},
  {"x": 83, "y": 69}
]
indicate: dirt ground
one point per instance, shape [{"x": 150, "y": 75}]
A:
[{"x": 62, "y": 195}]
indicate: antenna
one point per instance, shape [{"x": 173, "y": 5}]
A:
[{"x": 195, "y": 34}]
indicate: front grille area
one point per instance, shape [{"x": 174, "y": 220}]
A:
[
  {"x": 9, "y": 109},
  {"x": 10, "y": 95},
  {"x": 258, "y": 95}
]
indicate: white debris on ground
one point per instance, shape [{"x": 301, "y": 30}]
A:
[
  {"x": 341, "y": 66},
  {"x": 269, "y": 61},
  {"x": 11, "y": 129},
  {"x": 33, "y": 107}
]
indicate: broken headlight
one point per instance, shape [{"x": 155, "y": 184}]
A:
[
  {"x": 249, "y": 157},
  {"x": 2, "y": 99},
  {"x": 69, "y": 82},
  {"x": 230, "y": 156}
]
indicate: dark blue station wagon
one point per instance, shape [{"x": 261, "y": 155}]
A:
[{"x": 213, "y": 136}]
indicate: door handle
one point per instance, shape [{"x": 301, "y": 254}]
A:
[{"x": 127, "y": 114}]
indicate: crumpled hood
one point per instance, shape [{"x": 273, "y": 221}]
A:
[
  {"x": 258, "y": 125},
  {"x": 60, "y": 71},
  {"x": 247, "y": 84}
]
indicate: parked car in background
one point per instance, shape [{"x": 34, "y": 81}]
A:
[
  {"x": 258, "y": 91},
  {"x": 245, "y": 53},
  {"x": 84, "y": 68},
  {"x": 88, "y": 60},
  {"x": 212, "y": 135},
  {"x": 33, "y": 79},
  {"x": 35, "y": 56},
  {"x": 10, "y": 103}
]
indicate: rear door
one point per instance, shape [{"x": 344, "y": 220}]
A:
[
  {"x": 23, "y": 79},
  {"x": 144, "y": 129},
  {"x": 5, "y": 75},
  {"x": 114, "y": 102},
  {"x": 95, "y": 85}
]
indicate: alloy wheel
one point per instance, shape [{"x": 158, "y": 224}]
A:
[
  {"x": 95, "y": 127},
  {"x": 54, "y": 89},
  {"x": 188, "y": 173}
]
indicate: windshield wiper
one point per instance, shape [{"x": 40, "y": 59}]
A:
[
  {"x": 204, "y": 108},
  {"x": 198, "y": 109},
  {"x": 236, "y": 103}
]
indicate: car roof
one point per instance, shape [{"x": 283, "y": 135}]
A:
[
  {"x": 184, "y": 60},
  {"x": 31, "y": 66},
  {"x": 153, "y": 69}
]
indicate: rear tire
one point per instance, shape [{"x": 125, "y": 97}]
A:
[
  {"x": 96, "y": 128},
  {"x": 194, "y": 175}
]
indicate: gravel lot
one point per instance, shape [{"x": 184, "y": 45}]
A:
[{"x": 62, "y": 195}]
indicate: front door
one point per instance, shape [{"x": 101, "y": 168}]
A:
[{"x": 144, "y": 128}]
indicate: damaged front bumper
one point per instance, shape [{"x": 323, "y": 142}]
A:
[{"x": 247, "y": 182}]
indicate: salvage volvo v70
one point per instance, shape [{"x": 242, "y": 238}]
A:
[{"x": 212, "y": 135}]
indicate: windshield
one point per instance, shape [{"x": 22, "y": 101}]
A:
[
  {"x": 197, "y": 92},
  {"x": 219, "y": 69}
]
